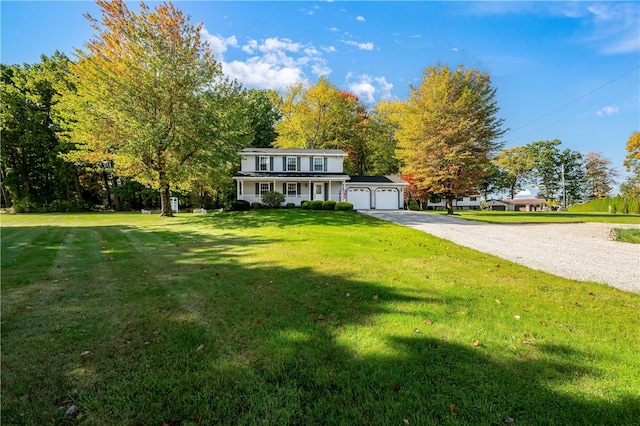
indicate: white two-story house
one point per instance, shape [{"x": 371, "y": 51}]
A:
[{"x": 312, "y": 174}]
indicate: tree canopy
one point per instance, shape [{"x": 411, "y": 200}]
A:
[
  {"x": 631, "y": 186},
  {"x": 449, "y": 131},
  {"x": 148, "y": 99},
  {"x": 32, "y": 173}
]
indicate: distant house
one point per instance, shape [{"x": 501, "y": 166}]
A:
[
  {"x": 467, "y": 202},
  {"x": 313, "y": 174},
  {"x": 522, "y": 205}
]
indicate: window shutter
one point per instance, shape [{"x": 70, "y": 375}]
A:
[
  {"x": 271, "y": 187},
  {"x": 270, "y": 163},
  {"x": 325, "y": 164},
  {"x": 257, "y": 163},
  {"x": 298, "y": 190},
  {"x": 310, "y": 164},
  {"x": 284, "y": 188},
  {"x": 298, "y": 166},
  {"x": 284, "y": 164},
  {"x": 257, "y": 188}
]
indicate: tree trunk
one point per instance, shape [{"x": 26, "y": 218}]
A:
[
  {"x": 165, "y": 196},
  {"x": 449, "y": 203},
  {"x": 107, "y": 188}
]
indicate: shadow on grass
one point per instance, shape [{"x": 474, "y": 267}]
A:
[
  {"x": 277, "y": 218},
  {"x": 186, "y": 328}
]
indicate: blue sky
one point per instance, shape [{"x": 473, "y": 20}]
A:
[{"x": 563, "y": 70}]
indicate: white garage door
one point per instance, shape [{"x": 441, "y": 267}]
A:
[
  {"x": 360, "y": 198},
  {"x": 386, "y": 199}
]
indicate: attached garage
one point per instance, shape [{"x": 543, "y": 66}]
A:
[
  {"x": 375, "y": 192},
  {"x": 387, "y": 199},
  {"x": 360, "y": 198}
]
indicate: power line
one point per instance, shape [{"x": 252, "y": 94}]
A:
[
  {"x": 563, "y": 118},
  {"x": 573, "y": 101}
]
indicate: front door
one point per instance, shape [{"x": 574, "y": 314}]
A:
[{"x": 318, "y": 191}]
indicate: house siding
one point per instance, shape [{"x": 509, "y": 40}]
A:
[{"x": 330, "y": 183}]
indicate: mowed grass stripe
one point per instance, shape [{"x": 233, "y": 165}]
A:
[{"x": 294, "y": 317}]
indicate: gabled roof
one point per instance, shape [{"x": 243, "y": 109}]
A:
[
  {"x": 525, "y": 201},
  {"x": 378, "y": 179},
  {"x": 299, "y": 151}
]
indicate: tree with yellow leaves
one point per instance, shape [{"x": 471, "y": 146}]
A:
[
  {"x": 448, "y": 131},
  {"x": 631, "y": 186},
  {"x": 150, "y": 99}
]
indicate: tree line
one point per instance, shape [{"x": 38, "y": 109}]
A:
[{"x": 144, "y": 111}]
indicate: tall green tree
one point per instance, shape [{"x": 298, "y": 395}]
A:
[
  {"x": 631, "y": 186},
  {"x": 264, "y": 115},
  {"x": 572, "y": 170},
  {"x": 546, "y": 156},
  {"x": 449, "y": 131},
  {"x": 33, "y": 174},
  {"x": 144, "y": 100},
  {"x": 383, "y": 125},
  {"x": 599, "y": 175},
  {"x": 551, "y": 165},
  {"x": 516, "y": 166}
]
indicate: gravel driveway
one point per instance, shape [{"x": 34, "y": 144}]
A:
[{"x": 581, "y": 251}]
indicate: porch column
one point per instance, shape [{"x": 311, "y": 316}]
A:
[{"x": 329, "y": 194}]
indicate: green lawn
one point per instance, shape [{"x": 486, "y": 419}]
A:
[
  {"x": 628, "y": 235},
  {"x": 298, "y": 317},
  {"x": 543, "y": 217}
]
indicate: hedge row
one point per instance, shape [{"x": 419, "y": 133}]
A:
[
  {"x": 608, "y": 205},
  {"x": 240, "y": 205},
  {"x": 327, "y": 205}
]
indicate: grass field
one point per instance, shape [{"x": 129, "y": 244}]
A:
[
  {"x": 544, "y": 217},
  {"x": 298, "y": 317}
]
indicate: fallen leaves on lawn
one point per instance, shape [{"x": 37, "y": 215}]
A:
[
  {"x": 527, "y": 342},
  {"x": 476, "y": 343},
  {"x": 452, "y": 408},
  {"x": 498, "y": 302},
  {"x": 320, "y": 317},
  {"x": 428, "y": 322}
]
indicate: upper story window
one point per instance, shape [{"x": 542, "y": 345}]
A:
[
  {"x": 264, "y": 164},
  {"x": 318, "y": 164},
  {"x": 473, "y": 199},
  {"x": 292, "y": 164}
]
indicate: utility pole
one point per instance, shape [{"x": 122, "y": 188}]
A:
[{"x": 564, "y": 189}]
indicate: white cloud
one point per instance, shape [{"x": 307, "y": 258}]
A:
[
  {"x": 610, "y": 26},
  {"x": 360, "y": 19},
  {"x": 275, "y": 44},
  {"x": 250, "y": 47},
  {"x": 616, "y": 28},
  {"x": 368, "y": 88},
  {"x": 361, "y": 46},
  {"x": 333, "y": 29},
  {"x": 607, "y": 111},
  {"x": 272, "y": 63},
  {"x": 263, "y": 74},
  {"x": 329, "y": 49},
  {"x": 219, "y": 45}
]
